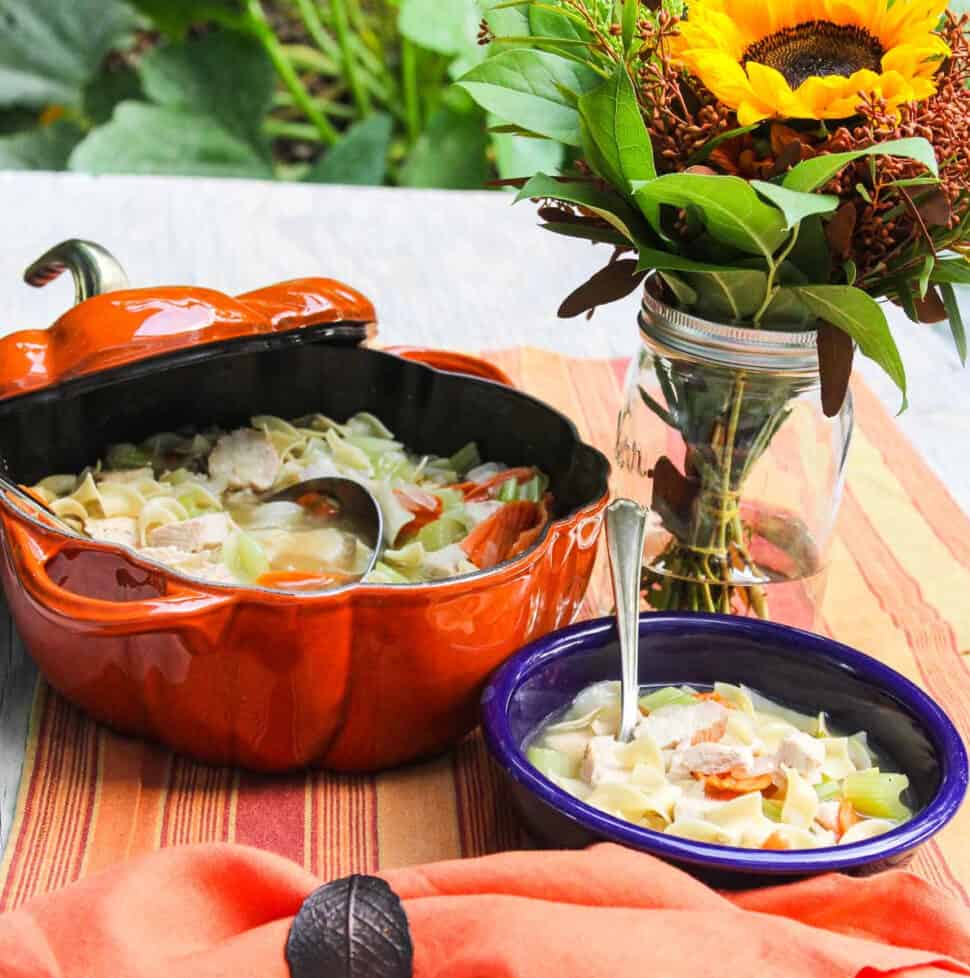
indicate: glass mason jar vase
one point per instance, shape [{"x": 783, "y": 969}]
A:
[{"x": 722, "y": 435}]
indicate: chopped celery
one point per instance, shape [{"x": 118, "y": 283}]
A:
[
  {"x": 548, "y": 762},
  {"x": 465, "y": 459},
  {"x": 385, "y": 574},
  {"x": 876, "y": 794},
  {"x": 667, "y": 696},
  {"x": 244, "y": 556},
  {"x": 441, "y": 533},
  {"x": 374, "y": 448},
  {"x": 530, "y": 491},
  {"x": 450, "y": 499},
  {"x": 828, "y": 790},
  {"x": 772, "y": 809},
  {"x": 127, "y": 456},
  {"x": 197, "y": 500},
  {"x": 509, "y": 490}
]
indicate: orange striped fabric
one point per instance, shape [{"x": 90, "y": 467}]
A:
[{"x": 897, "y": 589}]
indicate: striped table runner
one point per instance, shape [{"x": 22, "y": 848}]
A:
[{"x": 898, "y": 589}]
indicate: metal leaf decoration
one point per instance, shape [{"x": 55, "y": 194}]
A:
[{"x": 351, "y": 928}]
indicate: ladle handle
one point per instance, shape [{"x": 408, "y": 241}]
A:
[{"x": 626, "y": 524}]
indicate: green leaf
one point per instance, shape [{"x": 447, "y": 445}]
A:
[
  {"x": 953, "y": 271},
  {"x": 175, "y": 17},
  {"x": 144, "y": 138},
  {"x": 954, "y": 313},
  {"x": 49, "y": 49},
  {"x": 544, "y": 22},
  {"x": 44, "y": 148},
  {"x": 812, "y": 174},
  {"x": 445, "y": 26},
  {"x": 732, "y": 212},
  {"x": 112, "y": 85},
  {"x": 786, "y": 311},
  {"x": 606, "y": 204},
  {"x": 631, "y": 9},
  {"x": 811, "y": 254},
  {"x": 360, "y": 157},
  {"x": 522, "y": 156},
  {"x": 929, "y": 262},
  {"x": 612, "y": 117},
  {"x": 795, "y": 205},
  {"x": 534, "y": 90},
  {"x": 504, "y": 20},
  {"x": 859, "y": 315},
  {"x": 686, "y": 296},
  {"x": 728, "y": 296},
  {"x": 222, "y": 75},
  {"x": 585, "y": 232},
  {"x": 450, "y": 153}
]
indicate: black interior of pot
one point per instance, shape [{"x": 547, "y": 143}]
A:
[{"x": 64, "y": 429}]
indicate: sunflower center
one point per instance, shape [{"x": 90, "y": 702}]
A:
[{"x": 817, "y": 49}]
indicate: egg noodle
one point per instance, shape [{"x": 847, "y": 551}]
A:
[
  {"x": 725, "y": 766},
  {"x": 197, "y": 502}
]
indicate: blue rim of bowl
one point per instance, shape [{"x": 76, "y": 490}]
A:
[{"x": 938, "y": 726}]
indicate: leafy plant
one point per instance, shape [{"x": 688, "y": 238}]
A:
[
  {"x": 319, "y": 90},
  {"x": 740, "y": 216}
]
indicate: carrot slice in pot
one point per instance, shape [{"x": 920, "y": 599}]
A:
[
  {"x": 494, "y": 540},
  {"x": 301, "y": 581},
  {"x": 775, "y": 841},
  {"x": 477, "y": 491}
]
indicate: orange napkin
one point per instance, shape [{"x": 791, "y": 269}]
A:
[{"x": 225, "y": 911}]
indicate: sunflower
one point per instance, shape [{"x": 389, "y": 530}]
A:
[{"x": 812, "y": 59}]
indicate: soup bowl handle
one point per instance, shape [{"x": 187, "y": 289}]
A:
[{"x": 182, "y": 607}]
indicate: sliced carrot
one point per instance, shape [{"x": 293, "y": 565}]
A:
[
  {"x": 318, "y": 504},
  {"x": 477, "y": 491},
  {"x": 717, "y": 698},
  {"x": 775, "y": 841},
  {"x": 494, "y": 539},
  {"x": 848, "y": 816},
  {"x": 729, "y": 784},
  {"x": 425, "y": 507},
  {"x": 712, "y": 734},
  {"x": 300, "y": 581},
  {"x": 529, "y": 537}
]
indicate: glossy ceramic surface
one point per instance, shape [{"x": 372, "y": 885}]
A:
[
  {"x": 357, "y": 679},
  {"x": 133, "y": 325},
  {"x": 803, "y": 671}
]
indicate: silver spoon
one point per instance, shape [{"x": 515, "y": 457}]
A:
[
  {"x": 356, "y": 503},
  {"x": 626, "y": 525}
]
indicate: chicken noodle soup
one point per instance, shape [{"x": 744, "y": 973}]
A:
[
  {"x": 725, "y": 766},
  {"x": 196, "y": 502}
]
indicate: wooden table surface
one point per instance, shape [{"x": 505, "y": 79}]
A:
[{"x": 455, "y": 269}]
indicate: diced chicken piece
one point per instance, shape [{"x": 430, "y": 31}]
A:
[
  {"x": 245, "y": 459},
  {"x": 168, "y": 555},
  {"x": 676, "y": 724},
  {"x": 215, "y": 573},
  {"x": 827, "y": 815},
  {"x": 804, "y": 754},
  {"x": 601, "y": 765},
  {"x": 198, "y": 533},
  {"x": 124, "y": 476},
  {"x": 709, "y": 758},
  {"x": 114, "y": 529}
]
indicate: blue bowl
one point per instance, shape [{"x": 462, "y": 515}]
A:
[{"x": 806, "y": 672}]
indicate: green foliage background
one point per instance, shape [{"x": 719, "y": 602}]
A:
[{"x": 331, "y": 91}]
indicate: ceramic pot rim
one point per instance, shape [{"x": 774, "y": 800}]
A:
[{"x": 587, "y": 509}]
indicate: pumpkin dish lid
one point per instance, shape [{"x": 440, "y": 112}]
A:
[{"x": 114, "y": 326}]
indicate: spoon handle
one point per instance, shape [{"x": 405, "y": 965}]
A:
[{"x": 626, "y": 524}]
